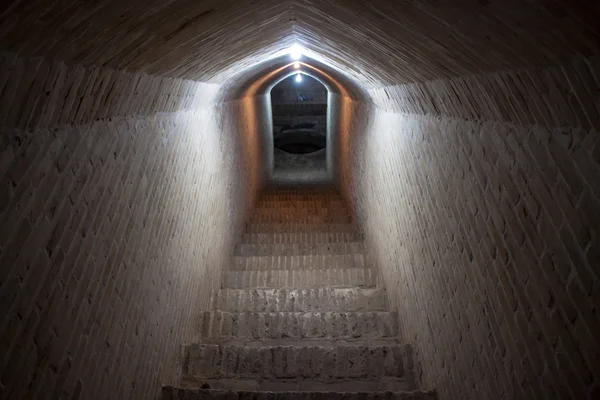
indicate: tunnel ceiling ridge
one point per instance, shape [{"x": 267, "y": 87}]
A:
[{"x": 378, "y": 43}]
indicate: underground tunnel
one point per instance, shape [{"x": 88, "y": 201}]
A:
[
  {"x": 299, "y": 105},
  {"x": 446, "y": 246}
]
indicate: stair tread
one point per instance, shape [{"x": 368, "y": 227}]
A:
[
  {"x": 299, "y": 249},
  {"x": 301, "y": 300},
  {"x": 255, "y": 227},
  {"x": 305, "y": 341},
  {"x": 298, "y": 262},
  {"x": 370, "y": 324},
  {"x": 292, "y": 237},
  {"x": 300, "y": 314},
  {"x": 173, "y": 393},
  {"x": 338, "y": 278},
  {"x": 299, "y": 363},
  {"x": 302, "y": 384}
]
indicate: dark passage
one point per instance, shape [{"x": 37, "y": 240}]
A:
[
  {"x": 299, "y": 105},
  {"x": 418, "y": 218}
]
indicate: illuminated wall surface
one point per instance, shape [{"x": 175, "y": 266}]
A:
[{"x": 137, "y": 139}]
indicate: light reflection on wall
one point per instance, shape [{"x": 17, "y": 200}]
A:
[{"x": 256, "y": 104}]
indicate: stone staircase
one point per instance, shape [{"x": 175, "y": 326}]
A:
[{"x": 300, "y": 315}]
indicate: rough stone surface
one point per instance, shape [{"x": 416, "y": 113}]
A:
[
  {"x": 299, "y": 250},
  {"x": 301, "y": 300},
  {"x": 464, "y": 134},
  {"x": 276, "y": 325},
  {"x": 173, "y": 393},
  {"x": 314, "y": 339}
]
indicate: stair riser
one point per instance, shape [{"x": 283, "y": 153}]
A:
[
  {"x": 300, "y": 249},
  {"x": 294, "y": 362},
  {"x": 170, "y": 393},
  {"x": 297, "y": 262},
  {"x": 287, "y": 201},
  {"x": 306, "y": 219},
  {"x": 327, "y": 325},
  {"x": 299, "y": 238},
  {"x": 302, "y": 385},
  {"x": 334, "y": 278},
  {"x": 299, "y": 227},
  {"x": 300, "y": 300},
  {"x": 300, "y": 210}
]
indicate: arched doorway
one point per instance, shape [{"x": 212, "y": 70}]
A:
[{"x": 299, "y": 104}]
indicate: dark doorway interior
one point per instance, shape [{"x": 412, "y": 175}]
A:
[{"x": 299, "y": 124}]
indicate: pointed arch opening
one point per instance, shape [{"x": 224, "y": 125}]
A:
[{"x": 299, "y": 105}]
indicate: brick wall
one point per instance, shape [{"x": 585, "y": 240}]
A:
[
  {"x": 479, "y": 197},
  {"x": 120, "y": 196}
]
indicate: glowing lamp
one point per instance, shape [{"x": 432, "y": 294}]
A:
[{"x": 296, "y": 52}]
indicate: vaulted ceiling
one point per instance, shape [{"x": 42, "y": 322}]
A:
[{"x": 375, "y": 42}]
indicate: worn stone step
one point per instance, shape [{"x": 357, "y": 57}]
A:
[
  {"x": 299, "y": 227},
  {"x": 334, "y": 278},
  {"x": 285, "y": 341},
  {"x": 299, "y": 248},
  {"x": 294, "y": 363},
  {"x": 301, "y": 197},
  {"x": 300, "y": 300},
  {"x": 299, "y": 238},
  {"x": 306, "y": 218},
  {"x": 276, "y": 325},
  {"x": 301, "y": 384},
  {"x": 174, "y": 393},
  {"x": 284, "y": 209},
  {"x": 306, "y": 204},
  {"x": 298, "y": 262}
]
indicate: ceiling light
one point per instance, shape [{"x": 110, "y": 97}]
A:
[
  {"x": 299, "y": 78},
  {"x": 296, "y": 52},
  {"x": 297, "y": 65}
]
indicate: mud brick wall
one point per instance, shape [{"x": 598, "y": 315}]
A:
[
  {"x": 120, "y": 200},
  {"x": 479, "y": 197}
]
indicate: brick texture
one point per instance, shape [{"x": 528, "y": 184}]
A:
[
  {"x": 310, "y": 328},
  {"x": 121, "y": 195},
  {"x": 479, "y": 200},
  {"x": 464, "y": 134}
]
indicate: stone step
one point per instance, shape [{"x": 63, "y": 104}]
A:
[
  {"x": 284, "y": 209},
  {"x": 304, "y": 202},
  {"x": 299, "y": 248},
  {"x": 295, "y": 363},
  {"x": 297, "y": 325},
  {"x": 299, "y": 227},
  {"x": 173, "y": 393},
  {"x": 334, "y": 278},
  {"x": 300, "y": 300},
  {"x": 301, "y": 197},
  {"x": 391, "y": 384},
  {"x": 298, "y": 262},
  {"x": 305, "y": 218},
  {"x": 327, "y": 342},
  {"x": 299, "y": 238}
]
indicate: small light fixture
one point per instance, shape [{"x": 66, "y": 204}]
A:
[
  {"x": 299, "y": 78},
  {"x": 296, "y": 52},
  {"x": 297, "y": 65}
]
